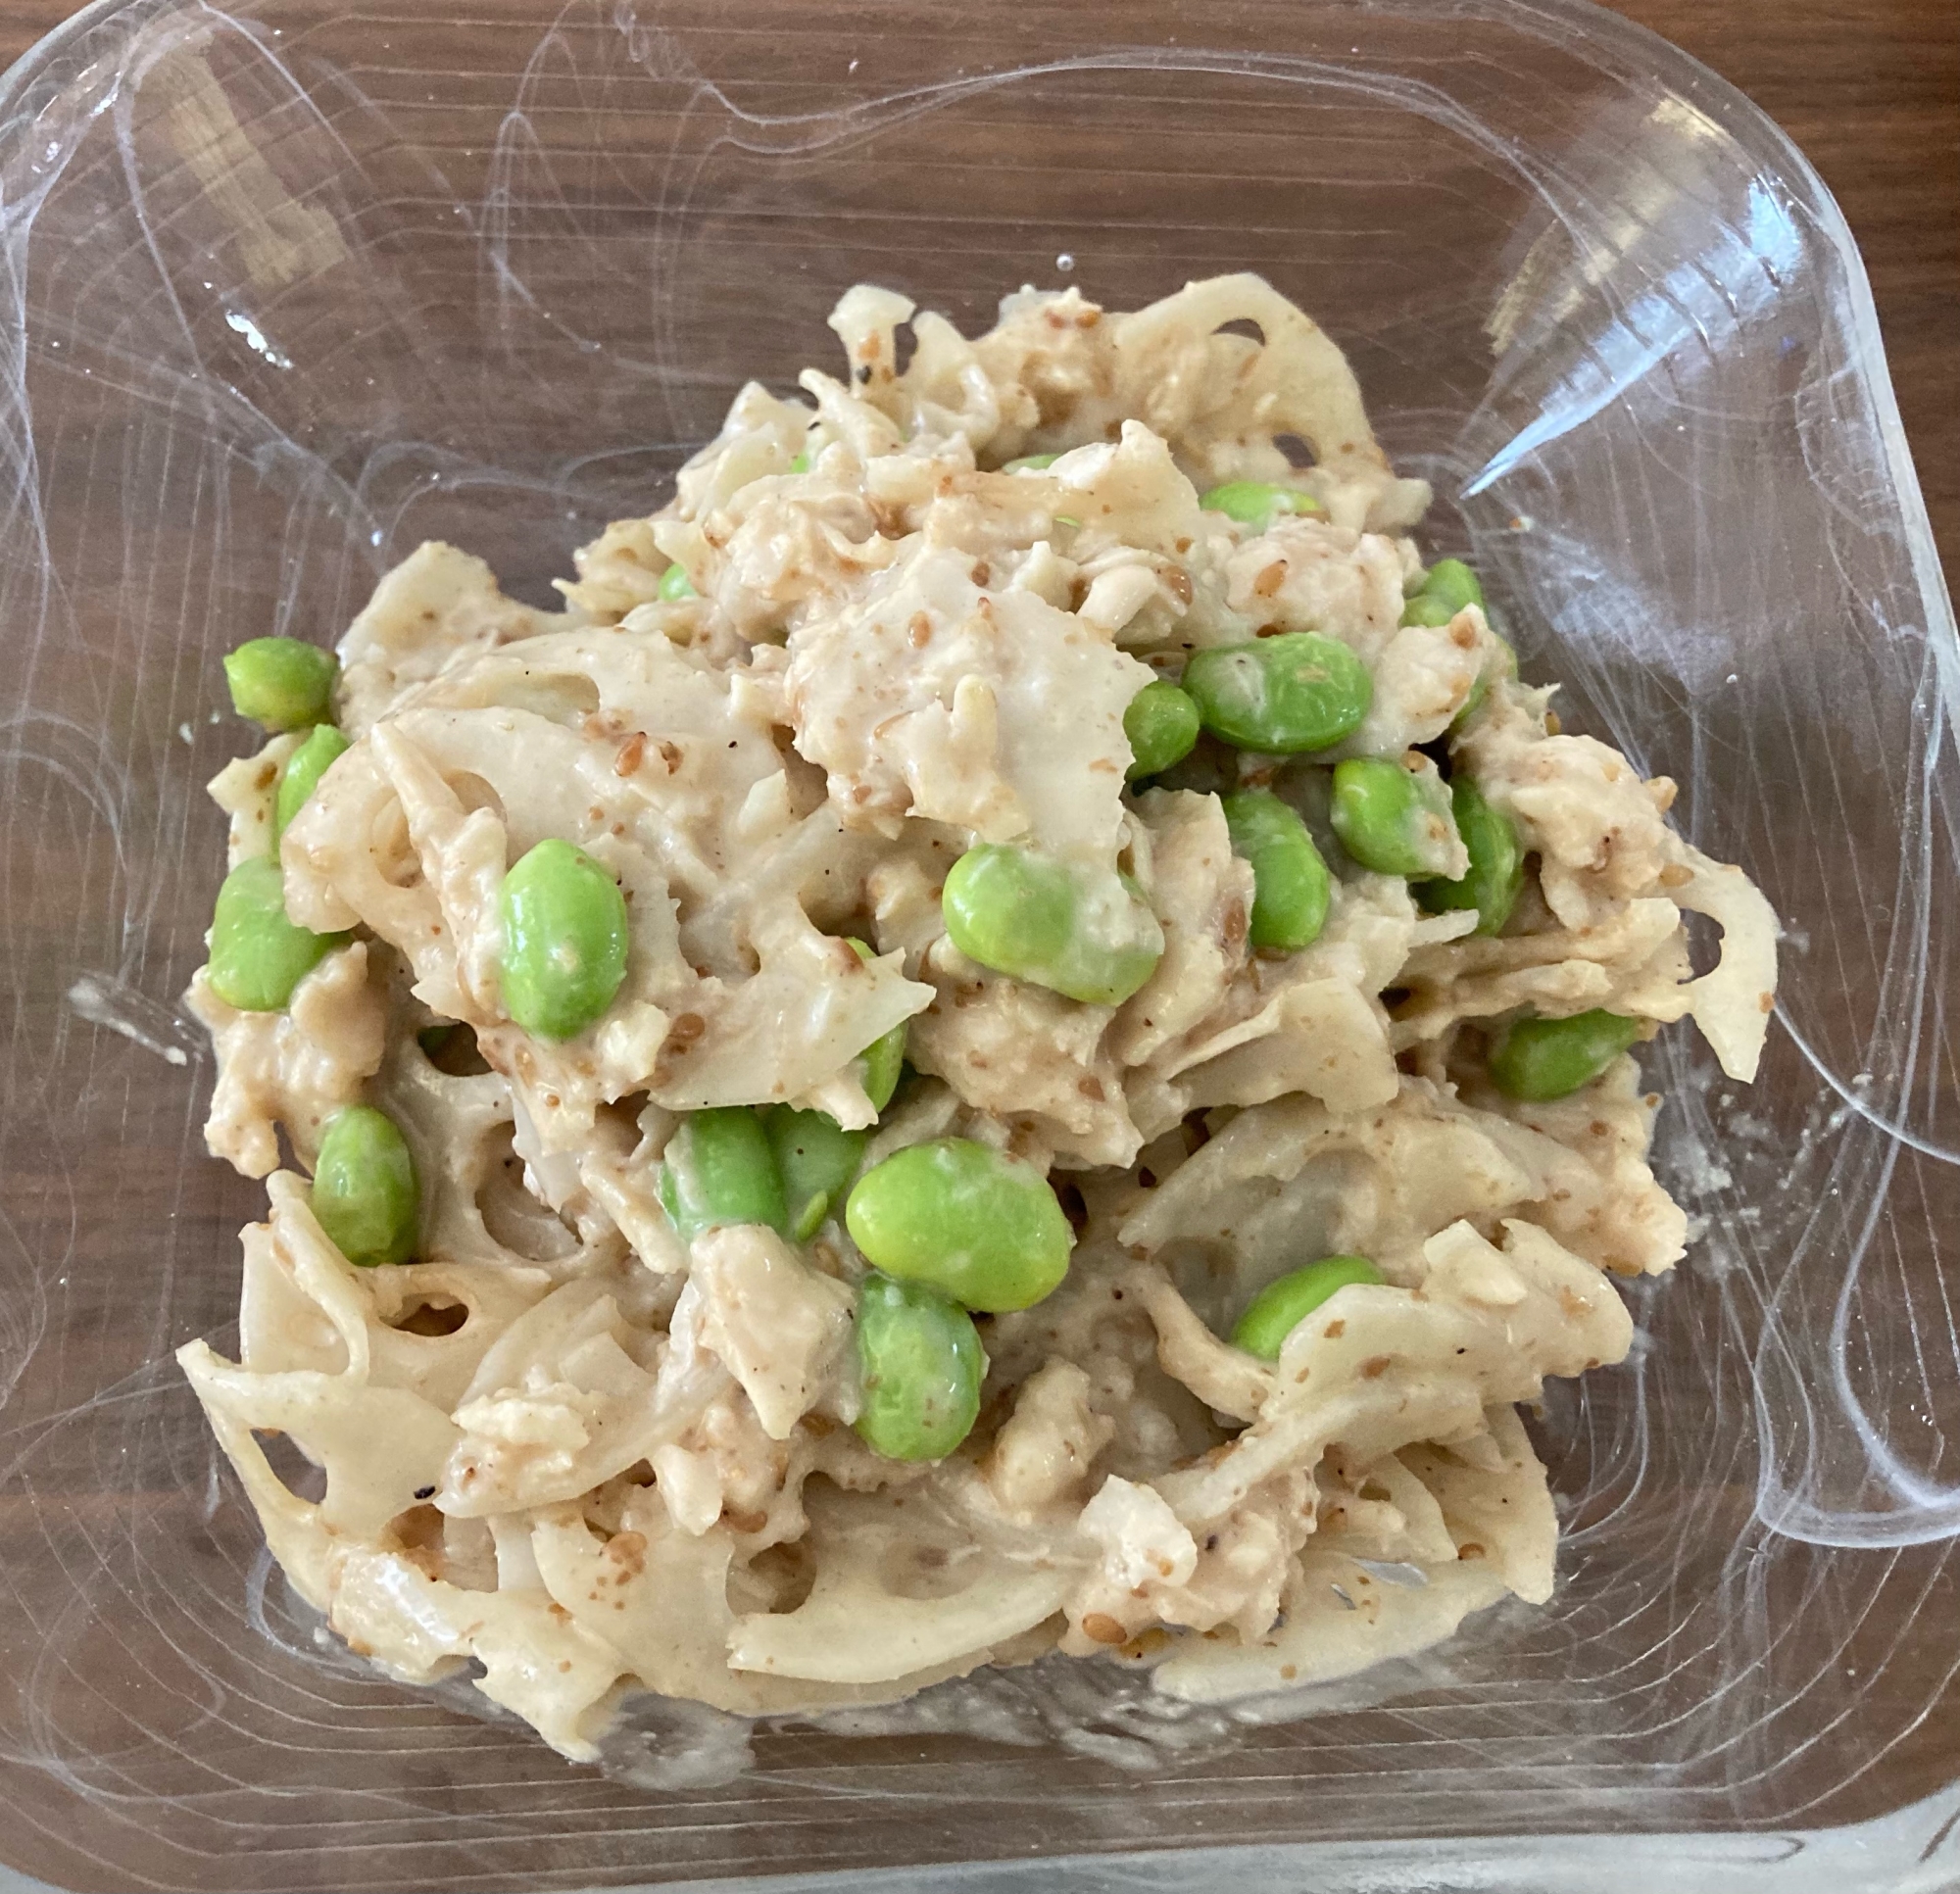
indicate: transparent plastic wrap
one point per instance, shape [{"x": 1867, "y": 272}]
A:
[{"x": 292, "y": 287}]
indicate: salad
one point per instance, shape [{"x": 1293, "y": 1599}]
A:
[{"x": 1013, "y": 1031}]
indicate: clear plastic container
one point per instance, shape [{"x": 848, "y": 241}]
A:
[{"x": 291, "y": 288}]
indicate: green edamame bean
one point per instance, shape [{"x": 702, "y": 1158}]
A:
[
  {"x": 1023, "y": 914},
  {"x": 281, "y": 683},
  {"x": 1447, "y": 588},
  {"x": 1392, "y": 816},
  {"x": 1541, "y": 1060},
  {"x": 1282, "y": 1306},
  {"x": 1290, "y": 881},
  {"x": 815, "y": 1158},
  {"x": 564, "y": 939},
  {"x": 798, "y": 463},
  {"x": 302, "y": 771},
  {"x": 880, "y": 1062},
  {"x": 1029, "y": 462},
  {"x": 1423, "y": 610},
  {"x": 1162, "y": 725},
  {"x": 366, "y": 1194},
  {"x": 1255, "y": 502},
  {"x": 980, "y": 1226},
  {"x": 720, "y": 1169},
  {"x": 258, "y": 956},
  {"x": 676, "y": 584},
  {"x": 1453, "y": 582},
  {"x": 1496, "y": 876},
  {"x": 1299, "y": 691},
  {"x": 921, "y": 1365}
]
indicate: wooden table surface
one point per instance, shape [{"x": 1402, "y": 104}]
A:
[{"x": 1869, "y": 88}]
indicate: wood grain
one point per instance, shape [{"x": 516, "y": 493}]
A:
[{"x": 1870, "y": 89}]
